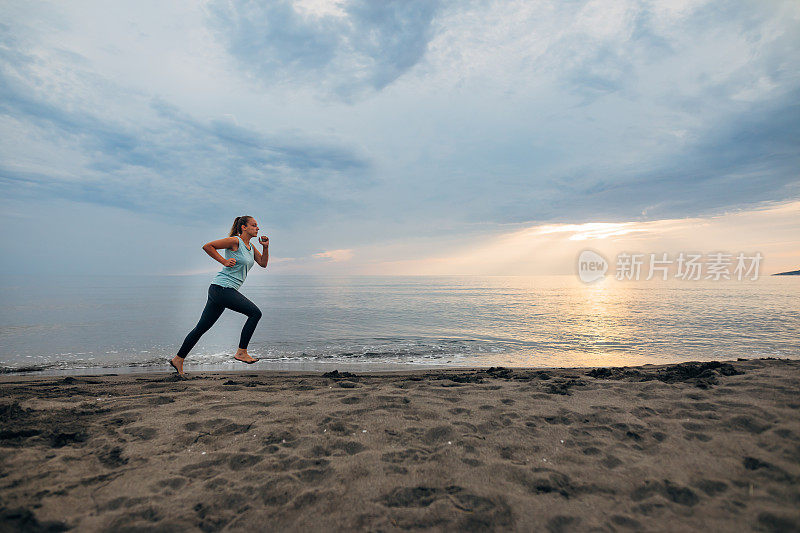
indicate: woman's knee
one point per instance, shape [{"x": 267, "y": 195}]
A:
[{"x": 255, "y": 314}]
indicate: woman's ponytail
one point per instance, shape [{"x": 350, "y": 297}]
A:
[{"x": 238, "y": 224}]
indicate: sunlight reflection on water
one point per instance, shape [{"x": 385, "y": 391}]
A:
[{"x": 442, "y": 320}]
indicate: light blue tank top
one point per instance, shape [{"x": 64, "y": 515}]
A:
[{"x": 233, "y": 277}]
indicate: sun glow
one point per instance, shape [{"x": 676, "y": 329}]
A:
[
  {"x": 553, "y": 248},
  {"x": 592, "y": 230}
]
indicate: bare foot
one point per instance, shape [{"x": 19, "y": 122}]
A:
[
  {"x": 177, "y": 364},
  {"x": 244, "y": 357}
]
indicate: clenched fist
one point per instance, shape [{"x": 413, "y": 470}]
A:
[
  {"x": 229, "y": 262},
  {"x": 264, "y": 240}
]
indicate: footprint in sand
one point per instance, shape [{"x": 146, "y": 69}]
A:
[
  {"x": 275, "y": 441},
  {"x": 172, "y": 483},
  {"x": 312, "y": 475},
  {"x": 671, "y": 491},
  {"x": 279, "y": 491},
  {"x": 306, "y": 498},
  {"x": 748, "y": 424},
  {"x": 111, "y": 457},
  {"x": 307, "y": 470},
  {"x": 349, "y": 447},
  {"x": 241, "y": 461},
  {"x": 702, "y": 437},
  {"x": 409, "y": 455},
  {"x": 204, "y": 469},
  {"x": 561, "y": 524},
  {"x": 711, "y": 487},
  {"x": 626, "y": 522},
  {"x": 331, "y": 425},
  {"x": 610, "y": 462},
  {"x": 141, "y": 433},
  {"x": 479, "y": 511},
  {"x": 438, "y": 434}
]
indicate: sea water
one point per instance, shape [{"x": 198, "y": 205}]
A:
[{"x": 118, "y": 323}]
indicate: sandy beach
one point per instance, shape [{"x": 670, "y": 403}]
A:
[{"x": 654, "y": 448}]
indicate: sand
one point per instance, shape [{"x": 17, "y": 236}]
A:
[{"x": 654, "y": 448}]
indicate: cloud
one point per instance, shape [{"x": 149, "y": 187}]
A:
[
  {"x": 346, "y": 124},
  {"x": 588, "y": 171},
  {"x": 553, "y": 249},
  {"x": 359, "y": 45},
  {"x": 743, "y": 160},
  {"x": 153, "y": 156},
  {"x": 579, "y": 111},
  {"x": 335, "y": 256}
]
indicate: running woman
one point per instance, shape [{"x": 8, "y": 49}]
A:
[{"x": 240, "y": 254}]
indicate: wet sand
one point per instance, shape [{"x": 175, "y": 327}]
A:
[{"x": 654, "y": 448}]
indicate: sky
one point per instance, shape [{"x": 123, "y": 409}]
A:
[{"x": 396, "y": 137}]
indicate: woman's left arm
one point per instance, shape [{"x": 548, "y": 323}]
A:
[{"x": 262, "y": 259}]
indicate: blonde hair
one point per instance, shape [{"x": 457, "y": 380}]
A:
[{"x": 238, "y": 224}]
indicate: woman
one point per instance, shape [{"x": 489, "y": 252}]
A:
[{"x": 223, "y": 293}]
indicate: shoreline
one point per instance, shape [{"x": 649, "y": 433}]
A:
[
  {"x": 314, "y": 367},
  {"x": 701, "y": 445},
  {"x": 153, "y": 369}
]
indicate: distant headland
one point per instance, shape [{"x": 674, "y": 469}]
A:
[{"x": 790, "y": 273}]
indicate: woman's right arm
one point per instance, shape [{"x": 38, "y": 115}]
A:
[{"x": 212, "y": 247}]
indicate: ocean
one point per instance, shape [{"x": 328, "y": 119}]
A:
[{"x": 136, "y": 323}]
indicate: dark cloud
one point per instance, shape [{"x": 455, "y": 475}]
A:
[
  {"x": 749, "y": 158},
  {"x": 368, "y": 48}
]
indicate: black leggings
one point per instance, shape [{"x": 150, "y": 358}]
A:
[{"x": 220, "y": 298}]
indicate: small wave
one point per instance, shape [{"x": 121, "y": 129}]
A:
[{"x": 408, "y": 352}]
